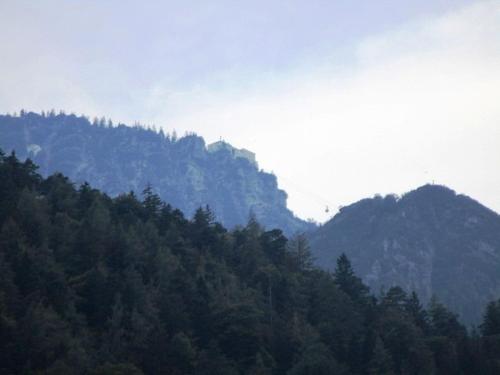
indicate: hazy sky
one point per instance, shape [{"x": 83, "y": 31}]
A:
[{"x": 341, "y": 99}]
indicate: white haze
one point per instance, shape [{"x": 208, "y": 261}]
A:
[
  {"x": 420, "y": 104},
  {"x": 386, "y": 114}
]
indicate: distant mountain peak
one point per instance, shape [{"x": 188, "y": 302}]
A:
[
  {"x": 433, "y": 189},
  {"x": 430, "y": 240}
]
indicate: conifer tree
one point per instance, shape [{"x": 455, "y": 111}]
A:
[
  {"x": 415, "y": 309},
  {"x": 298, "y": 248},
  {"x": 151, "y": 201},
  {"x": 491, "y": 321},
  {"x": 347, "y": 281}
]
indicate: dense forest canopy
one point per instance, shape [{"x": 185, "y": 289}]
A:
[{"x": 96, "y": 285}]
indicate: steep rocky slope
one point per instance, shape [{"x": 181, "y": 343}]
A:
[
  {"x": 182, "y": 171},
  {"x": 431, "y": 240}
]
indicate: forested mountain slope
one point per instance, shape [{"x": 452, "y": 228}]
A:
[
  {"x": 182, "y": 171},
  {"x": 124, "y": 286},
  {"x": 431, "y": 241}
]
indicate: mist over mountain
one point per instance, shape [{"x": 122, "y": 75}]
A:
[
  {"x": 431, "y": 240},
  {"x": 184, "y": 171}
]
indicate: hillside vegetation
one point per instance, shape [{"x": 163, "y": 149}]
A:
[{"x": 127, "y": 285}]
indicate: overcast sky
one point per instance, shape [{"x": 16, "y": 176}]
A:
[{"x": 340, "y": 99}]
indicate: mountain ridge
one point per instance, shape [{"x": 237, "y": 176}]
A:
[
  {"x": 430, "y": 240},
  {"x": 183, "y": 171}
]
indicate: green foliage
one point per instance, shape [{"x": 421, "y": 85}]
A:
[
  {"x": 317, "y": 360},
  {"x": 443, "y": 322},
  {"x": 416, "y": 311},
  {"x": 491, "y": 321},
  {"x": 300, "y": 252},
  {"x": 347, "y": 281},
  {"x": 94, "y": 285},
  {"x": 381, "y": 360},
  {"x": 117, "y": 369}
]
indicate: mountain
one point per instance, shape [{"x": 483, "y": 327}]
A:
[
  {"x": 184, "y": 172},
  {"x": 431, "y": 240}
]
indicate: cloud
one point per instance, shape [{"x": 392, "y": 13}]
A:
[{"x": 417, "y": 104}]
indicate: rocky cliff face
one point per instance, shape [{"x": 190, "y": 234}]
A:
[
  {"x": 431, "y": 240},
  {"x": 182, "y": 171}
]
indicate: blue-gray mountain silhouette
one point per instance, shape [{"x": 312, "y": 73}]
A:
[
  {"x": 183, "y": 172},
  {"x": 431, "y": 240}
]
